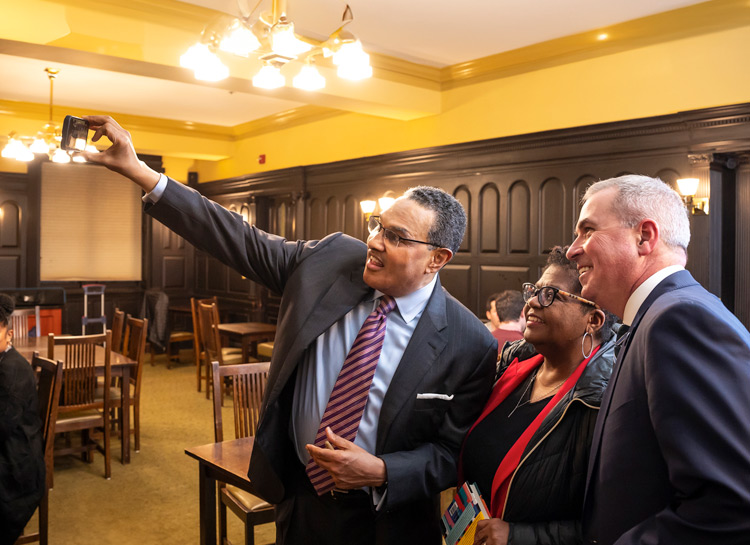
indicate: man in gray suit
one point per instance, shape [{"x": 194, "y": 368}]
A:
[
  {"x": 432, "y": 378},
  {"x": 670, "y": 457}
]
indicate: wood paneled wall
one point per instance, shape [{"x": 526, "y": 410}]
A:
[{"x": 521, "y": 195}]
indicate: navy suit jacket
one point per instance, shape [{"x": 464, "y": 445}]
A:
[
  {"x": 450, "y": 352},
  {"x": 670, "y": 459}
]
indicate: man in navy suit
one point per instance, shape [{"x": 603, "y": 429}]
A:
[
  {"x": 670, "y": 459},
  {"x": 432, "y": 379}
]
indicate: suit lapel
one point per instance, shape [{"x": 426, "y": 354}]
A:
[
  {"x": 677, "y": 280},
  {"x": 345, "y": 293},
  {"x": 426, "y": 344}
]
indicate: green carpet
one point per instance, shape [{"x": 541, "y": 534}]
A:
[{"x": 154, "y": 499}]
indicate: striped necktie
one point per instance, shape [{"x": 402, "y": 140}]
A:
[{"x": 349, "y": 396}]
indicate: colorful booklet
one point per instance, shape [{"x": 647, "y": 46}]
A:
[{"x": 461, "y": 517}]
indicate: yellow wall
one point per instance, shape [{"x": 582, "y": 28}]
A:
[
  {"x": 690, "y": 73},
  {"x": 686, "y": 74}
]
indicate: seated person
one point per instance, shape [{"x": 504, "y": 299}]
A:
[
  {"x": 529, "y": 449},
  {"x": 511, "y": 321},
  {"x": 492, "y": 321},
  {"x": 22, "y": 471}
]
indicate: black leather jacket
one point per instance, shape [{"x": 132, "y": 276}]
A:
[{"x": 545, "y": 496}]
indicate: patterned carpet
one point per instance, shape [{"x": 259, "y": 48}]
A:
[{"x": 154, "y": 499}]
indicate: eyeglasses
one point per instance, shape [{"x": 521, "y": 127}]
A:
[
  {"x": 374, "y": 227},
  {"x": 546, "y": 295}
]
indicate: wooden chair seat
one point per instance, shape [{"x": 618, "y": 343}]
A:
[
  {"x": 77, "y": 420},
  {"x": 247, "y": 500},
  {"x": 265, "y": 350}
]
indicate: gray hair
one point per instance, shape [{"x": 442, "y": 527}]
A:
[
  {"x": 642, "y": 197},
  {"x": 447, "y": 230}
]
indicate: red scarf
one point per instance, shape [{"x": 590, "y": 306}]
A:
[{"x": 513, "y": 377}]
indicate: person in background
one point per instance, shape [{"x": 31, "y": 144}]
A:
[
  {"x": 22, "y": 470},
  {"x": 431, "y": 357},
  {"x": 511, "y": 321},
  {"x": 670, "y": 461},
  {"x": 490, "y": 312},
  {"x": 528, "y": 450}
]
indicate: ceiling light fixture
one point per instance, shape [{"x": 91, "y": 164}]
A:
[
  {"x": 46, "y": 142},
  {"x": 272, "y": 37}
]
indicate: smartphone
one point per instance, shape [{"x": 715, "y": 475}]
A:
[{"x": 75, "y": 133}]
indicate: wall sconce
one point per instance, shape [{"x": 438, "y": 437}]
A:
[
  {"x": 385, "y": 203},
  {"x": 368, "y": 207},
  {"x": 688, "y": 187}
]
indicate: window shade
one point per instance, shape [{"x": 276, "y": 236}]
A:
[{"x": 90, "y": 224}]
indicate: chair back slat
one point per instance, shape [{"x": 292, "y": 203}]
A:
[
  {"x": 248, "y": 387},
  {"x": 79, "y": 369},
  {"x": 136, "y": 332},
  {"x": 49, "y": 384},
  {"x": 19, "y": 322}
]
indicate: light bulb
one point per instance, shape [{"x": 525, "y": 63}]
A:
[
  {"x": 353, "y": 63},
  {"x": 688, "y": 186},
  {"x": 207, "y": 66},
  {"x": 269, "y": 77},
  {"x": 368, "y": 207},
  {"x": 385, "y": 203},
  {"x": 240, "y": 40},
  {"x": 284, "y": 42},
  {"x": 39, "y": 146},
  {"x": 309, "y": 79},
  {"x": 60, "y": 156}
]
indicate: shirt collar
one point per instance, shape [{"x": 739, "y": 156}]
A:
[
  {"x": 639, "y": 295},
  {"x": 412, "y": 305}
]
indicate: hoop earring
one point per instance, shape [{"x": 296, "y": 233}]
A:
[{"x": 583, "y": 341}]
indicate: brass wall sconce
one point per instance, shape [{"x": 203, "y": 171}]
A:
[{"x": 688, "y": 187}]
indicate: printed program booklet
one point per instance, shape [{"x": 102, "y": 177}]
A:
[{"x": 461, "y": 517}]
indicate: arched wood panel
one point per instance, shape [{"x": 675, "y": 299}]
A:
[
  {"x": 489, "y": 219},
  {"x": 581, "y": 185},
  {"x": 463, "y": 195},
  {"x": 317, "y": 218},
  {"x": 354, "y": 223},
  {"x": 334, "y": 216},
  {"x": 519, "y": 218},
  {"x": 552, "y": 229},
  {"x": 10, "y": 244}
]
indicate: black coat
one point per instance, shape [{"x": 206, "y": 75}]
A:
[
  {"x": 545, "y": 496},
  {"x": 22, "y": 471}
]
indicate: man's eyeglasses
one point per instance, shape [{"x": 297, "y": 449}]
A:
[
  {"x": 374, "y": 227},
  {"x": 546, "y": 295}
]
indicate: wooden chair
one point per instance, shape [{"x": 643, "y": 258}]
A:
[
  {"x": 19, "y": 322},
  {"x": 49, "y": 382},
  {"x": 134, "y": 347},
  {"x": 210, "y": 340},
  {"x": 80, "y": 409},
  {"x": 118, "y": 320},
  {"x": 248, "y": 386},
  {"x": 155, "y": 308}
]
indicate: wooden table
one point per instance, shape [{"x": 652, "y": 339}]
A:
[
  {"x": 249, "y": 333},
  {"x": 226, "y": 462},
  {"x": 121, "y": 366}
]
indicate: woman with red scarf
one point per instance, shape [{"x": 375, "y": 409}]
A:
[{"x": 529, "y": 448}]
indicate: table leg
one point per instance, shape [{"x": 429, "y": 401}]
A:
[
  {"x": 125, "y": 432},
  {"x": 207, "y": 491},
  {"x": 245, "y": 349}
]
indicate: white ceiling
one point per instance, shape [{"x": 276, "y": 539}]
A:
[{"x": 436, "y": 33}]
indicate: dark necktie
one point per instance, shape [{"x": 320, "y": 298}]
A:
[{"x": 349, "y": 396}]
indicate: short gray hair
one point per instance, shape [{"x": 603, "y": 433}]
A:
[
  {"x": 641, "y": 197},
  {"x": 448, "y": 229}
]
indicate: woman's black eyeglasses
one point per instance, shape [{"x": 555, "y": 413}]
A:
[
  {"x": 374, "y": 227},
  {"x": 546, "y": 295}
]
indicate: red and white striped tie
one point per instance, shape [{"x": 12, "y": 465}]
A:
[{"x": 349, "y": 396}]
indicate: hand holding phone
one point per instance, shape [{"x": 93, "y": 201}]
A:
[{"x": 75, "y": 133}]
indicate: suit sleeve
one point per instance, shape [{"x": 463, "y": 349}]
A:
[
  {"x": 264, "y": 258},
  {"x": 697, "y": 375},
  {"x": 431, "y": 467}
]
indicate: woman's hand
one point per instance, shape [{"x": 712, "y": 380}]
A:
[{"x": 492, "y": 532}]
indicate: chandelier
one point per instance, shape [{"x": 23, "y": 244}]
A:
[
  {"x": 272, "y": 38},
  {"x": 46, "y": 142}
]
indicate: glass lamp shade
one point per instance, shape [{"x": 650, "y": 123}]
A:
[
  {"x": 240, "y": 40},
  {"x": 39, "y": 145},
  {"x": 385, "y": 203},
  {"x": 60, "y": 156},
  {"x": 309, "y": 79},
  {"x": 368, "y": 207},
  {"x": 353, "y": 63},
  {"x": 269, "y": 77},
  {"x": 688, "y": 186},
  {"x": 206, "y": 65},
  {"x": 284, "y": 42}
]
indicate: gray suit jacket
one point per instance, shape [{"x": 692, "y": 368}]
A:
[
  {"x": 450, "y": 352},
  {"x": 670, "y": 459}
]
